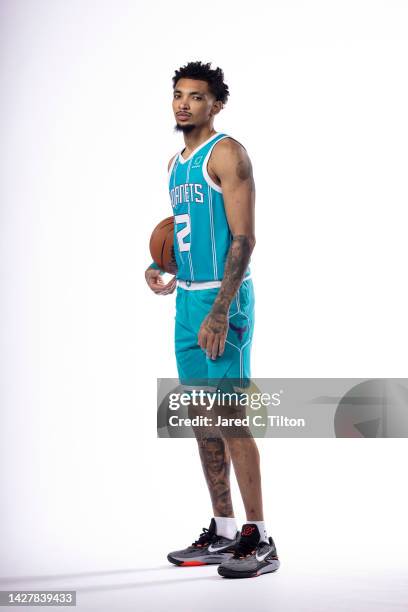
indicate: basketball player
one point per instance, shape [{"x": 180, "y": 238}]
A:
[{"x": 212, "y": 193}]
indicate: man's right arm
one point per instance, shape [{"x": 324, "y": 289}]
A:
[{"x": 154, "y": 272}]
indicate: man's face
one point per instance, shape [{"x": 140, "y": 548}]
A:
[
  {"x": 214, "y": 456},
  {"x": 193, "y": 104}
]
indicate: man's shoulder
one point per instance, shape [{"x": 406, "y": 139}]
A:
[
  {"x": 228, "y": 145},
  {"x": 227, "y": 153}
]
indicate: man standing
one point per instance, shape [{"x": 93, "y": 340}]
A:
[{"x": 213, "y": 198}]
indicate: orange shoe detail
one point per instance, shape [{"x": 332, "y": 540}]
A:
[{"x": 191, "y": 563}]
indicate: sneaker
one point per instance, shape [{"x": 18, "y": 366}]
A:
[
  {"x": 251, "y": 557},
  {"x": 209, "y": 549}
]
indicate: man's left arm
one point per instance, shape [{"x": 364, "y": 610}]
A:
[{"x": 231, "y": 164}]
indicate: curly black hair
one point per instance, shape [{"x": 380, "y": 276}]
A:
[{"x": 204, "y": 72}]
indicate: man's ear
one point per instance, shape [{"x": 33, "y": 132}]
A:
[{"x": 217, "y": 106}]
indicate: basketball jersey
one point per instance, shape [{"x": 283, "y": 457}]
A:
[{"x": 202, "y": 236}]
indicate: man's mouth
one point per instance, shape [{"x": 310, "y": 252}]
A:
[{"x": 183, "y": 115}]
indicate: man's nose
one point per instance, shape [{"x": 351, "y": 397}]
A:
[{"x": 183, "y": 103}]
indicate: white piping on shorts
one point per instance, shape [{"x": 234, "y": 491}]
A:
[
  {"x": 187, "y": 388},
  {"x": 194, "y": 285}
]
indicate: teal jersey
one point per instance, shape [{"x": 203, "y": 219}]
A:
[{"x": 202, "y": 236}]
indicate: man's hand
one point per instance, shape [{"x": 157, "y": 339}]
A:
[
  {"x": 156, "y": 283},
  {"x": 213, "y": 332}
]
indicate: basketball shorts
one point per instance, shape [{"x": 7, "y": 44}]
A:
[{"x": 233, "y": 367}]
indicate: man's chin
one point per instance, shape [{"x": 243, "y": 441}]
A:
[{"x": 185, "y": 128}]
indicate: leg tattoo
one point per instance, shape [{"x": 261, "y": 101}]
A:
[{"x": 216, "y": 462}]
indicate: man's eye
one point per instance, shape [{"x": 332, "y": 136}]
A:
[{"x": 197, "y": 98}]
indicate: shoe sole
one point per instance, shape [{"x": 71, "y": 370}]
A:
[
  {"x": 193, "y": 563},
  {"x": 266, "y": 569}
]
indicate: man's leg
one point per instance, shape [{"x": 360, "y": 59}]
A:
[
  {"x": 242, "y": 449},
  {"x": 230, "y": 372},
  {"x": 255, "y": 553},
  {"x": 215, "y": 544},
  {"x": 216, "y": 463},
  {"x": 245, "y": 458},
  {"x": 217, "y": 448},
  {"x": 192, "y": 368}
]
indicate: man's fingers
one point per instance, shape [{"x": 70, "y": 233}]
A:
[
  {"x": 171, "y": 285},
  {"x": 210, "y": 342},
  {"x": 218, "y": 346},
  {"x": 165, "y": 291},
  {"x": 215, "y": 347},
  {"x": 157, "y": 285},
  {"x": 202, "y": 340}
]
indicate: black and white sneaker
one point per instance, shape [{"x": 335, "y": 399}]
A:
[
  {"x": 209, "y": 549},
  {"x": 251, "y": 557}
]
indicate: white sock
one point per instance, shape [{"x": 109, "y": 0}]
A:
[
  {"x": 262, "y": 530},
  {"x": 226, "y": 526}
]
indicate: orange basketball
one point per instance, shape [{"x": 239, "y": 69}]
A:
[{"x": 161, "y": 245}]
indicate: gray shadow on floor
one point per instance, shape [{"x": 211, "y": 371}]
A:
[
  {"x": 15, "y": 579},
  {"x": 147, "y": 583}
]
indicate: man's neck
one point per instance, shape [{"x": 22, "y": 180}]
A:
[{"x": 195, "y": 138}]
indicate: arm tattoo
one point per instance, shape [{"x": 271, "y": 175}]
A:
[
  {"x": 244, "y": 172},
  {"x": 235, "y": 267}
]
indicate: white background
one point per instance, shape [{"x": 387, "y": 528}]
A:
[{"x": 318, "y": 97}]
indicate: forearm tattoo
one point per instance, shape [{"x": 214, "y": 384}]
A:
[
  {"x": 216, "y": 464},
  {"x": 235, "y": 267}
]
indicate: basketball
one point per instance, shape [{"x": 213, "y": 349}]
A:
[{"x": 161, "y": 245}]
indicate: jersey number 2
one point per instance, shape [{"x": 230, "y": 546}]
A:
[{"x": 183, "y": 233}]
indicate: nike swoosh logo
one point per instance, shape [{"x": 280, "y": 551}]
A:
[
  {"x": 212, "y": 549},
  {"x": 262, "y": 557}
]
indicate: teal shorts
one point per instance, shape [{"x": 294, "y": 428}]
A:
[{"x": 233, "y": 366}]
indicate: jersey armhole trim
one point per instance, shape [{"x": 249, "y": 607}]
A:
[
  {"x": 170, "y": 170},
  {"x": 207, "y": 177}
]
